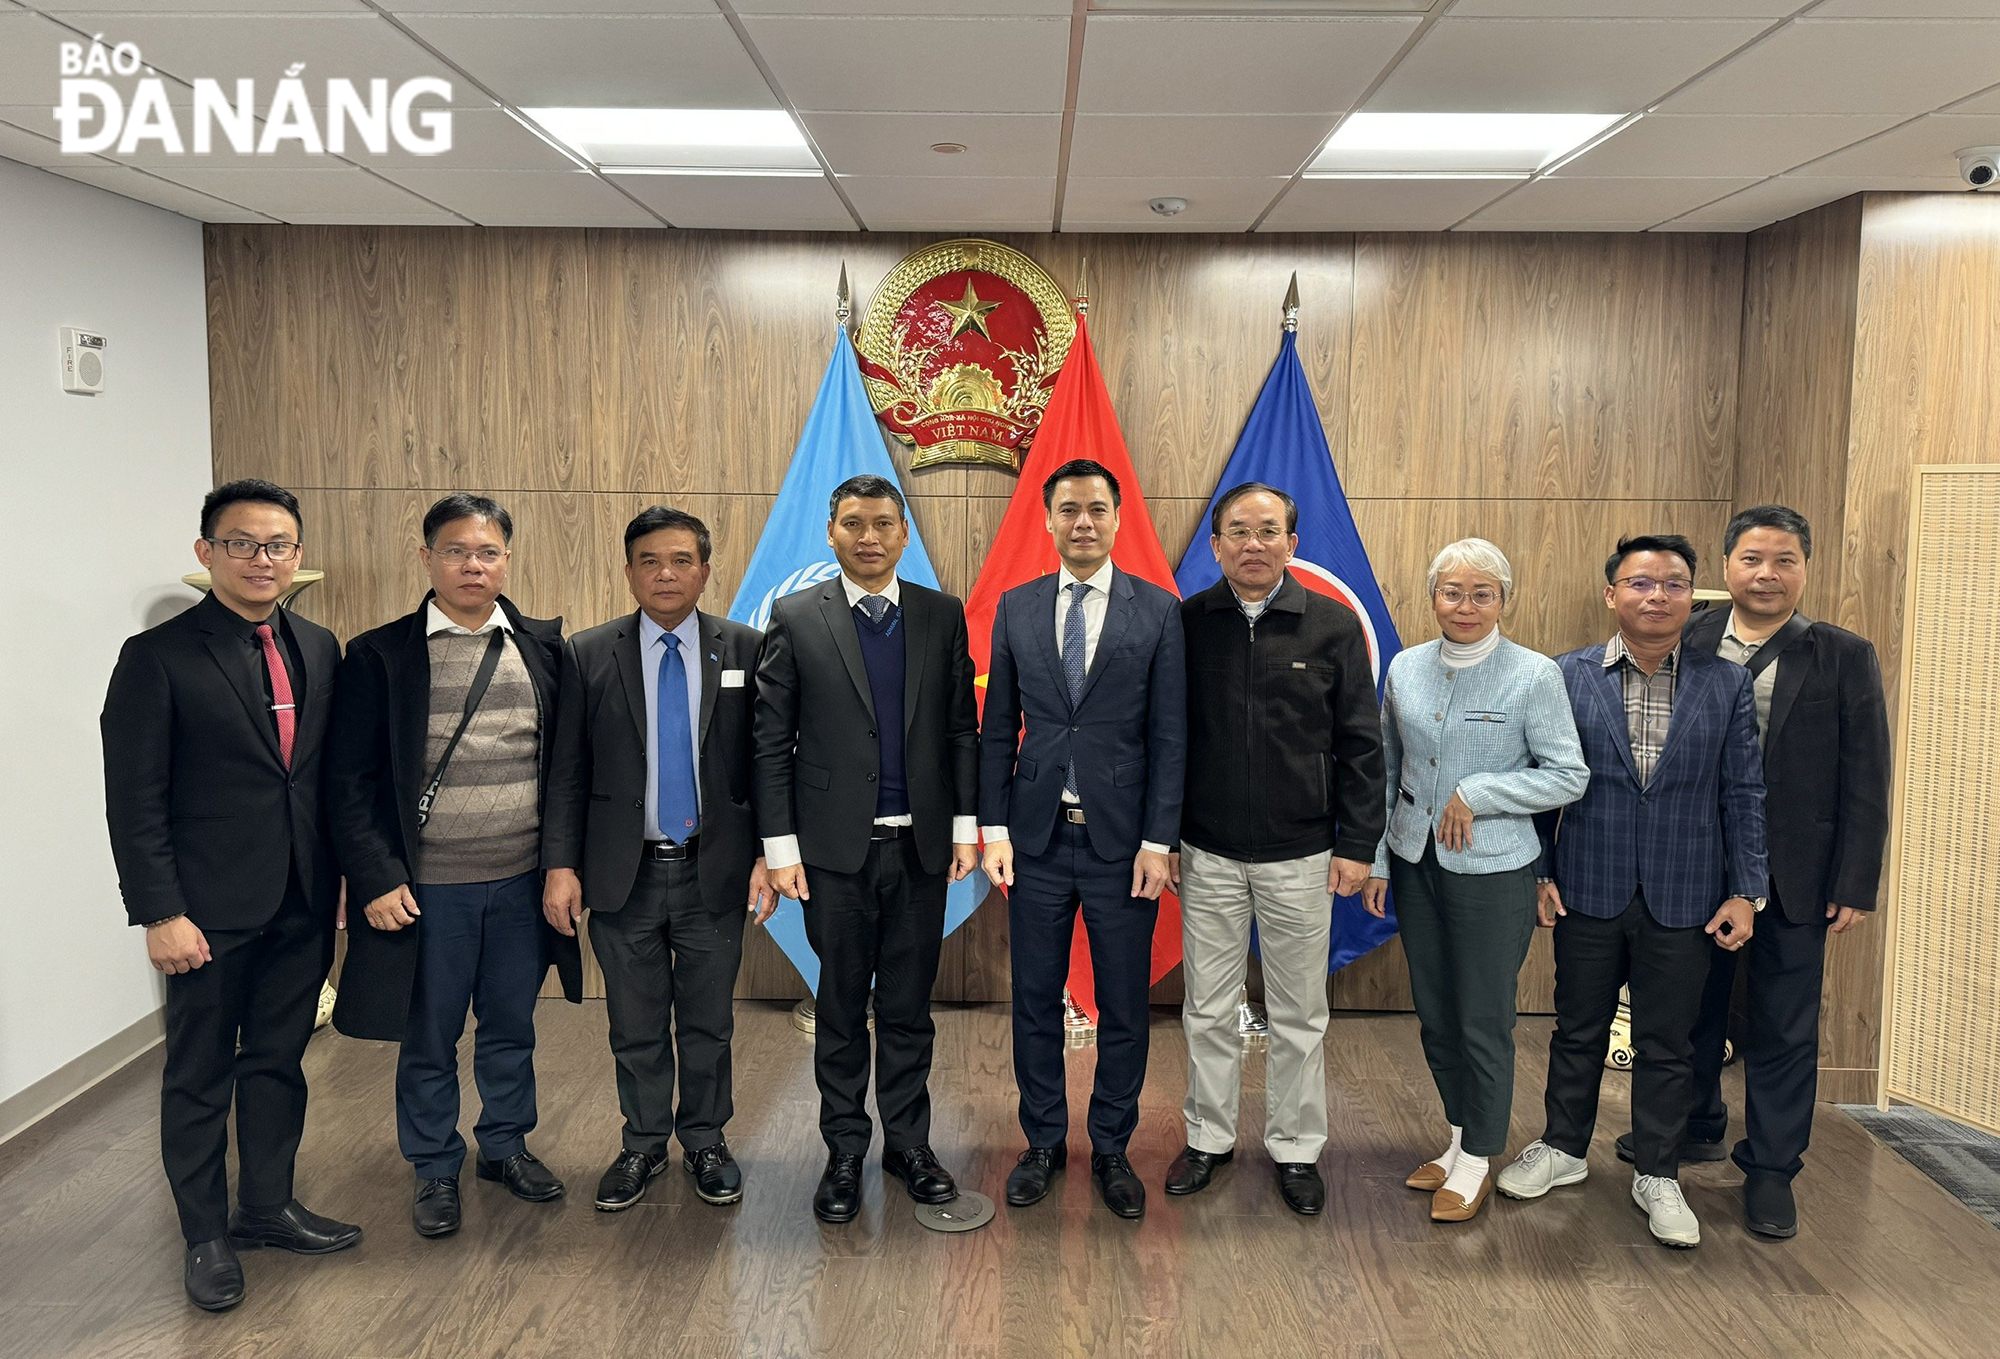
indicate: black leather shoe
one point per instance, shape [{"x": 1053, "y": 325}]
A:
[
  {"x": 624, "y": 1181},
  {"x": 838, "y": 1198},
  {"x": 1192, "y": 1169},
  {"x": 1768, "y": 1206},
  {"x": 1028, "y": 1182},
  {"x": 524, "y": 1176},
  {"x": 717, "y": 1177},
  {"x": 1691, "y": 1151},
  {"x": 435, "y": 1212},
  {"x": 918, "y": 1169},
  {"x": 213, "y": 1276},
  {"x": 293, "y": 1228},
  {"x": 1119, "y": 1185},
  {"x": 1303, "y": 1190}
]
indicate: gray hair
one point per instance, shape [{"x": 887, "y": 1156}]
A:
[{"x": 1475, "y": 554}]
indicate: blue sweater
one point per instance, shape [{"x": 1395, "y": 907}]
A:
[{"x": 884, "y": 652}]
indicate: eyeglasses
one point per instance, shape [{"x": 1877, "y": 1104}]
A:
[
  {"x": 246, "y": 549},
  {"x": 1482, "y": 597},
  {"x": 1264, "y": 533},
  {"x": 459, "y": 556},
  {"x": 1675, "y": 589}
]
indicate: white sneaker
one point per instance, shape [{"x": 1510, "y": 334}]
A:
[
  {"x": 1538, "y": 1169},
  {"x": 1667, "y": 1212}
]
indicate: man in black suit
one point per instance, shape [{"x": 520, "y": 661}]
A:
[
  {"x": 649, "y": 798},
  {"x": 867, "y": 750},
  {"x": 1083, "y": 749},
  {"x": 1825, "y": 732},
  {"x": 434, "y": 788},
  {"x": 213, "y": 728}
]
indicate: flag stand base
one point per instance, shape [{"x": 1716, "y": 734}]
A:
[
  {"x": 1253, "y": 1026},
  {"x": 805, "y": 1017},
  {"x": 1079, "y": 1029}
]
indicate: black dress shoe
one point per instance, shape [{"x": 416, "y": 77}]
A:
[
  {"x": 1768, "y": 1206},
  {"x": 1303, "y": 1190},
  {"x": 1028, "y": 1182},
  {"x": 918, "y": 1169},
  {"x": 293, "y": 1228},
  {"x": 717, "y": 1177},
  {"x": 435, "y": 1212},
  {"x": 213, "y": 1276},
  {"x": 1193, "y": 1169},
  {"x": 624, "y": 1181},
  {"x": 838, "y": 1198},
  {"x": 524, "y": 1176},
  {"x": 1691, "y": 1151},
  {"x": 1119, "y": 1185}
]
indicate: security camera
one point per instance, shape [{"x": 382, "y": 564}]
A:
[
  {"x": 1174, "y": 207},
  {"x": 1979, "y": 166}
]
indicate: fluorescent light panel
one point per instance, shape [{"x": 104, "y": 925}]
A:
[
  {"x": 1452, "y": 145},
  {"x": 682, "y": 141}
]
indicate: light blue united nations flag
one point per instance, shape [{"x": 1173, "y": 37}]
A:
[{"x": 840, "y": 440}]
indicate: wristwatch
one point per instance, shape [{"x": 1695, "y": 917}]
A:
[{"x": 1756, "y": 903}]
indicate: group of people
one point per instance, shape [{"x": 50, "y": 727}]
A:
[{"x": 464, "y": 788}]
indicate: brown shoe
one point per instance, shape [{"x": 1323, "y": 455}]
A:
[
  {"x": 1428, "y": 1177},
  {"x": 1449, "y": 1207}
]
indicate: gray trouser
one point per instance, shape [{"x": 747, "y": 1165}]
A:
[{"x": 1294, "y": 917}]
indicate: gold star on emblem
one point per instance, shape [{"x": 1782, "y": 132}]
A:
[{"x": 968, "y": 313}]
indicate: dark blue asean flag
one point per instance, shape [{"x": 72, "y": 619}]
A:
[{"x": 1284, "y": 445}]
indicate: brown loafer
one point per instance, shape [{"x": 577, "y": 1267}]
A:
[
  {"x": 1449, "y": 1207},
  {"x": 1428, "y": 1177}
]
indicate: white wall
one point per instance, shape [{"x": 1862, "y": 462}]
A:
[{"x": 99, "y": 501}]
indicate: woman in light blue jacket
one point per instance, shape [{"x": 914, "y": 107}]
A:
[{"x": 1478, "y": 737}]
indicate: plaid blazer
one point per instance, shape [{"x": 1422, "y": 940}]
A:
[{"x": 1691, "y": 838}]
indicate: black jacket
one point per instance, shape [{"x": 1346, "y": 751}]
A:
[
  {"x": 1826, "y": 768},
  {"x": 1284, "y": 729},
  {"x": 205, "y": 819},
  {"x": 594, "y": 819},
  {"x": 375, "y": 772}
]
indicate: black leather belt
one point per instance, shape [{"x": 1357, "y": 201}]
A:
[
  {"x": 1073, "y": 815},
  {"x": 665, "y": 851},
  {"x": 888, "y": 832}
]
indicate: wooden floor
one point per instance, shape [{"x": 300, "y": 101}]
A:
[{"x": 1886, "y": 1263}]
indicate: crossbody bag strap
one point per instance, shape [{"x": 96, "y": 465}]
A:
[{"x": 488, "y": 663}]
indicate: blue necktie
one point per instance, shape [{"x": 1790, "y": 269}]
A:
[
  {"x": 876, "y": 607},
  {"x": 680, "y": 812},
  {"x": 1073, "y": 663}
]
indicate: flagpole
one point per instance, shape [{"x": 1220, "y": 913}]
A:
[{"x": 1079, "y": 1029}]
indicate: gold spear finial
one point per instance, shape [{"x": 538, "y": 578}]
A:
[
  {"x": 843, "y": 302},
  {"x": 1292, "y": 305},
  {"x": 1083, "y": 287}
]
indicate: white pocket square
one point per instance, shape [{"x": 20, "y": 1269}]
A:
[{"x": 732, "y": 679}]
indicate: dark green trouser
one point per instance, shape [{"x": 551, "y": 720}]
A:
[{"x": 1466, "y": 936}]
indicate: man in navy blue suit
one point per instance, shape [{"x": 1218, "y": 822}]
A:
[
  {"x": 1662, "y": 853},
  {"x": 1082, "y": 753}
]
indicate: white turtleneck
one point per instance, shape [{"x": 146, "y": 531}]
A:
[{"x": 1464, "y": 655}]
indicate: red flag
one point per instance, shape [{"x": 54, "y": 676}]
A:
[{"x": 1079, "y": 423}]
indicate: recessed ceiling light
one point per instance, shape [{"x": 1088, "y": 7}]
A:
[
  {"x": 682, "y": 141},
  {"x": 1453, "y": 145},
  {"x": 948, "y": 148}
]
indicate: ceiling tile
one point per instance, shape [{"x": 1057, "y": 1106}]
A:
[
  {"x": 1732, "y": 227},
  {"x": 1666, "y": 145},
  {"x": 374, "y": 219},
  {"x": 940, "y": 8},
  {"x": 1624, "y": 225},
  {"x": 601, "y": 60},
  {"x": 1851, "y": 66},
  {"x": 916, "y": 65},
  {"x": 30, "y": 56},
  {"x": 1989, "y": 102},
  {"x": 407, "y": 7},
  {"x": 160, "y": 193},
  {"x": 1589, "y": 202},
  {"x": 18, "y": 142},
  {"x": 66, "y": 8},
  {"x": 283, "y": 193},
  {"x": 952, "y": 203},
  {"x": 1148, "y": 64},
  {"x": 1624, "y": 9},
  {"x": 228, "y": 47},
  {"x": 1229, "y": 146},
  {"x": 1926, "y": 147},
  {"x": 1771, "y": 201},
  {"x": 1380, "y": 204},
  {"x": 742, "y": 201},
  {"x": 996, "y": 144},
  {"x": 1904, "y": 9},
  {"x": 1214, "y": 204},
  {"x": 481, "y": 139},
  {"x": 1553, "y": 66},
  {"x": 526, "y": 197}
]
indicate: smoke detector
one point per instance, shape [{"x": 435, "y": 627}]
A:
[{"x": 1168, "y": 207}]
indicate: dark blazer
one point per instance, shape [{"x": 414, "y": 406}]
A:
[
  {"x": 594, "y": 818},
  {"x": 1826, "y": 767},
  {"x": 375, "y": 772},
  {"x": 1694, "y": 835},
  {"x": 816, "y": 749},
  {"x": 205, "y": 819},
  {"x": 1127, "y": 736}
]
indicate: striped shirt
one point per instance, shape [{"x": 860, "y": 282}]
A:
[
  {"x": 1649, "y": 703},
  {"x": 486, "y": 822}
]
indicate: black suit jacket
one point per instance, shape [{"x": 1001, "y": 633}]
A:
[
  {"x": 375, "y": 772},
  {"x": 594, "y": 819},
  {"x": 205, "y": 819},
  {"x": 1826, "y": 767},
  {"x": 816, "y": 749}
]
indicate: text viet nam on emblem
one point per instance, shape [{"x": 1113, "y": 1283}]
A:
[{"x": 960, "y": 350}]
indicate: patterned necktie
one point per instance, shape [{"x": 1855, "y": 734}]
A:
[
  {"x": 876, "y": 607},
  {"x": 281, "y": 693},
  {"x": 680, "y": 812},
  {"x": 1074, "y": 667}
]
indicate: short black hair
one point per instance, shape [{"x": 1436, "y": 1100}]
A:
[
  {"x": 1780, "y": 517},
  {"x": 1079, "y": 467},
  {"x": 1236, "y": 493},
  {"x": 250, "y": 489},
  {"x": 1648, "y": 542},
  {"x": 464, "y": 505},
  {"x": 866, "y": 487},
  {"x": 654, "y": 518}
]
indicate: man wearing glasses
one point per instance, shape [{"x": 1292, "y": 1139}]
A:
[
  {"x": 1663, "y": 853},
  {"x": 213, "y": 729},
  {"x": 437, "y": 772}
]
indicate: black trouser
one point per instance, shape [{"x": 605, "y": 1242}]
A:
[
  {"x": 670, "y": 963},
  {"x": 238, "y": 1025},
  {"x": 1781, "y": 1070},
  {"x": 885, "y": 924},
  {"x": 1666, "y": 969}
]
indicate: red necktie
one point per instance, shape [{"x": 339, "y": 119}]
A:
[{"x": 281, "y": 693}]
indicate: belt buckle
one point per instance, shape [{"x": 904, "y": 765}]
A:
[
  {"x": 1074, "y": 815},
  {"x": 660, "y": 851}
]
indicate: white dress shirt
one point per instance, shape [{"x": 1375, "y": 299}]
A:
[
  {"x": 435, "y": 622},
  {"x": 653, "y": 646},
  {"x": 1734, "y": 648}
]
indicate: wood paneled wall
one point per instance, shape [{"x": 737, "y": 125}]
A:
[{"x": 1546, "y": 391}]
